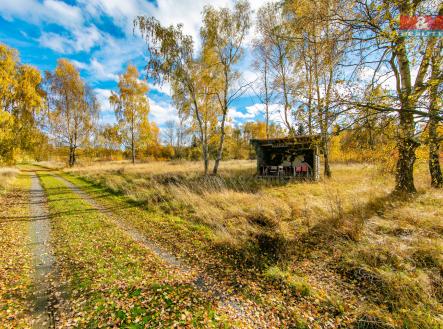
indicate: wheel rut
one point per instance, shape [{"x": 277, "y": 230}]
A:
[
  {"x": 238, "y": 309},
  {"x": 43, "y": 260}
]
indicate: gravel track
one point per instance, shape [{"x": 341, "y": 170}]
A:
[{"x": 43, "y": 260}]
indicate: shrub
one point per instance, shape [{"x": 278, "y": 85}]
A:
[
  {"x": 298, "y": 285},
  {"x": 428, "y": 255},
  {"x": 374, "y": 319},
  {"x": 335, "y": 304}
]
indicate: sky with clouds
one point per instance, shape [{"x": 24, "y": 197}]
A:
[{"x": 97, "y": 36}]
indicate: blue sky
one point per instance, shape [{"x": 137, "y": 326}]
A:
[{"x": 97, "y": 35}]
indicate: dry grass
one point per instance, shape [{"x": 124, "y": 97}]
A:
[
  {"x": 51, "y": 164},
  {"x": 235, "y": 204},
  {"x": 389, "y": 247},
  {"x": 7, "y": 175}
]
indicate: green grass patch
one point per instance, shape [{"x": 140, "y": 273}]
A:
[
  {"x": 114, "y": 281},
  {"x": 298, "y": 285}
]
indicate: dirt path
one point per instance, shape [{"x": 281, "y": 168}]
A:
[
  {"x": 43, "y": 260},
  {"x": 242, "y": 310}
]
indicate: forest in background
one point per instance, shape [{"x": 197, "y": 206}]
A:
[{"x": 310, "y": 60}]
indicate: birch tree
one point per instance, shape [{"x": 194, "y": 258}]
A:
[
  {"x": 435, "y": 109},
  {"x": 320, "y": 44},
  {"x": 224, "y": 31},
  {"x": 171, "y": 58},
  {"x": 272, "y": 29},
  {"x": 131, "y": 107},
  {"x": 379, "y": 44},
  {"x": 73, "y": 108}
]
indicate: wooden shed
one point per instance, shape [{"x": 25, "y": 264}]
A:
[{"x": 292, "y": 157}]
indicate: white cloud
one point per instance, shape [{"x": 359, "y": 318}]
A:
[
  {"x": 100, "y": 72},
  {"x": 160, "y": 112},
  {"x": 55, "y": 42},
  {"x": 78, "y": 36},
  {"x": 80, "y": 40},
  {"x": 48, "y": 11},
  {"x": 121, "y": 12},
  {"x": 275, "y": 111},
  {"x": 168, "y": 12},
  {"x": 103, "y": 96},
  {"x": 111, "y": 58},
  {"x": 256, "y": 111},
  {"x": 63, "y": 14},
  {"x": 165, "y": 88},
  {"x": 249, "y": 113}
]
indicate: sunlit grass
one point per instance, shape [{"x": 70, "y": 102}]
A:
[
  {"x": 389, "y": 247},
  {"x": 113, "y": 280}
]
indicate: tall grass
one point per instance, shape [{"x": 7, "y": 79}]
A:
[
  {"x": 390, "y": 247},
  {"x": 239, "y": 207},
  {"x": 7, "y": 174}
]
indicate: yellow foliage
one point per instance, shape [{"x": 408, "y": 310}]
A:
[
  {"x": 6, "y": 137},
  {"x": 21, "y": 100}
]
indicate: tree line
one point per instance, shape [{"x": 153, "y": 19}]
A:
[
  {"x": 58, "y": 114},
  {"x": 324, "y": 63},
  {"x": 329, "y": 67}
]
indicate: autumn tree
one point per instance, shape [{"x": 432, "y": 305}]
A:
[
  {"x": 73, "y": 108},
  {"x": 8, "y": 82},
  {"x": 171, "y": 58},
  {"x": 435, "y": 111},
  {"x": 111, "y": 137},
  {"x": 29, "y": 101},
  {"x": 380, "y": 45},
  {"x": 9, "y": 63},
  {"x": 22, "y": 100},
  {"x": 224, "y": 32},
  {"x": 277, "y": 57},
  {"x": 131, "y": 107}
]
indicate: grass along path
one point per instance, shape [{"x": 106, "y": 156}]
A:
[
  {"x": 15, "y": 255},
  {"x": 274, "y": 305},
  {"x": 226, "y": 301},
  {"x": 112, "y": 279},
  {"x": 357, "y": 255}
]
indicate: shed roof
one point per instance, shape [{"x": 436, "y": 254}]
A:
[{"x": 301, "y": 139}]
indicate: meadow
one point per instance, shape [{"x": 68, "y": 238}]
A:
[{"x": 345, "y": 250}]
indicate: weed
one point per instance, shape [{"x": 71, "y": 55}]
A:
[
  {"x": 335, "y": 304},
  {"x": 373, "y": 319},
  {"x": 298, "y": 286}
]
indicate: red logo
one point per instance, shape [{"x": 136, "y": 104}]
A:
[{"x": 423, "y": 23}]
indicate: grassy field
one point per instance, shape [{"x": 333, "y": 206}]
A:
[
  {"x": 110, "y": 280},
  {"x": 340, "y": 253},
  {"x": 344, "y": 250}
]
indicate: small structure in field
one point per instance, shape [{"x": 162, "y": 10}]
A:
[{"x": 292, "y": 157}]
